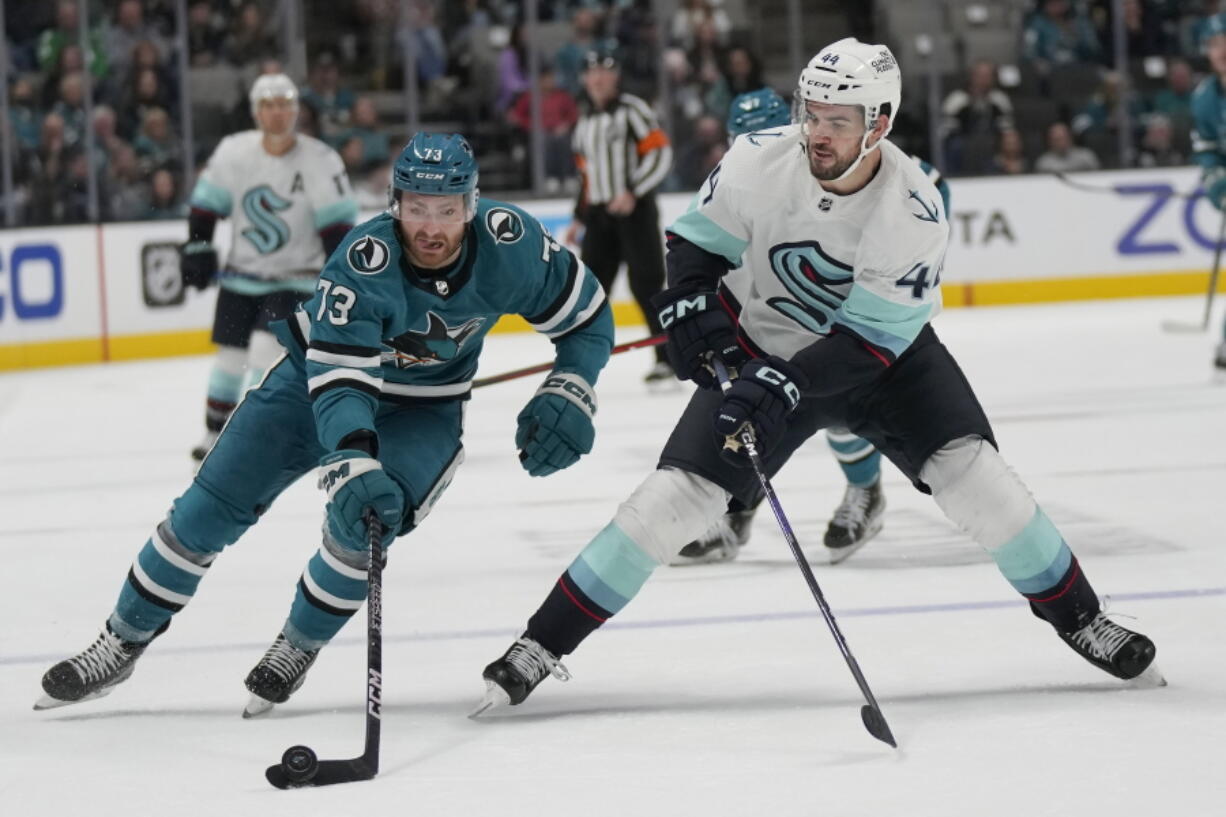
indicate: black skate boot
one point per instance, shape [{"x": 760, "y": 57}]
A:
[
  {"x": 722, "y": 541},
  {"x": 511, "y": 679},
  {"x": 108, "y": 662},
  {"x": 1114, "y": 649},
  {"x": 856, "y": 520},
  {"x": 278, "y": 675},
  {"x": 1219, "y": 363}
]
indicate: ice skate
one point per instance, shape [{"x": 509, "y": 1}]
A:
[
  {"x": 278, "y": 675},
  {"x": 721, "y": 543},
  {"x": 1116, "y": 650},
  {"x": 1219, "y": 363},
  {"x": 202, "y": 448},
  {"x": 108, "y": 662},
  {"x": 856, "y": 520},
  {"x": 511, "y": 679},
  {"x": 660, "y": 378}
]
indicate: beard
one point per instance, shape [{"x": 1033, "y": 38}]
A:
[{"x": 831, "y": 172}]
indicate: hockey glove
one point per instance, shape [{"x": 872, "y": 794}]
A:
[
  {"x": 356, "y": 481},
  {"x": 697, "y": 327},
  {"x": 1215, "y": 186},
  {"x": 762, "y": 397},
  {"x": 555, "y": 428},
  {"x": 197, "y": 264}
]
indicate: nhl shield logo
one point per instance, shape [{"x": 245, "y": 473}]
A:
[
  {"x": 504, "y": 225},
  {"x": 368, "y": 255}
]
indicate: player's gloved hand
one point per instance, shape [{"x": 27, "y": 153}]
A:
[
  {"x": 356, "y": 481},
  {"x": 555, "y": 428},
  {"x": 1215, "y": 186},
  {"x": 197, "y": 264},
  {"x": 697, "y": 327},
  {"x": 763, "y": 396}
]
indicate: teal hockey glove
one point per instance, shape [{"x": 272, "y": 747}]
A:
[
  {"x": 555, "y": 428},
  {"x": 356, "y": 481},
  {"x": 762, "y": 397},
  {"x": 197, "y": 264}
]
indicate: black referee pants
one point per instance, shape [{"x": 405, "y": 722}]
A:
[{"x": 609, "y": 240}]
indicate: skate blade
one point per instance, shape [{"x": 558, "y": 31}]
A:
[
  {"x": 47, "y": 702},
  {"x": 495, "y": 696},
  {"x": 1152, "y": 678},
  {"x": 838, "y": 555},
  {"x": 713, "y": 556},
  {"x": 257, "y": 707}
]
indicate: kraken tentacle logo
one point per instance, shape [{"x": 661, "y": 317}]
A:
[
  {"x": 268, "y": 232},
  {"x": 817, "y": 283},
  {"x": 368, "y": 255},
  {"x": 504, "y": 225}
]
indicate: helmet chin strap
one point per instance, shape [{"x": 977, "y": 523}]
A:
[{"x": 864, "y": 151}]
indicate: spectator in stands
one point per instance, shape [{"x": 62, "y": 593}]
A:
[
  {"x": 205, "y": 35},
  {"x": 1158, "y": 145},
  {"x": 1143, "y": 30},
  {"x": 127, "y": 198},
  {"x": 690, "y": 18},
  {"x": 431, "y": 46},
  {"x": 706, "y": 61},
  {"x": 66, "y": 31},
  {"x": 1103, "y": 114},
  {"x": 249, "y": 39},
  {"x": 979, "y": 108},
  {"x": 308, "y": 120},
  {"x": 24, "y": 116},
  {"x": 373, "y": 148},
  {"x": 1059, "y": 34},
  {"x": 701, "y": 153},
  {"x": 164, "y": 201},
  {"x": 512, "y": 70},
  {"x": 1062, "y": 156},
  {"x": 639, "y": 38},
  {"x": 568, "y": 62},
  {"x": 327, "y": 96},
  {"x": 124, "y": 32},
  {"x": 146, "y": 93},
  {"x": 106, "y": 135},
  {"x": 49, "y": 179},
  {"x": 558, "y": 116},
  {"x": 71, "y": 60},
  {"x": 742, "y": 73},
  {"x": 157, "y": 145},
  {"x": 1010, "y": 158},
  {"x": 1175, "y": 100},
  {"x": 70, "y": 107}
]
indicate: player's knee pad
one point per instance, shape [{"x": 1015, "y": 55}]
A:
[
  {"x": 978, "y": 491},
  {"x": 668, "y": 510},
  {"x": 205, "y": 522}
]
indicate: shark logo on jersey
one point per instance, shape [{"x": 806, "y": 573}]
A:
[
  {"x": 268, "y": 232},
  {"x": 368, "y": 255},
  {"x": 504, "y": 225},
  {"x": 817, "y": 283},
  {"x": 440, "y": 343},
  {"x": 930, "y": 213}
]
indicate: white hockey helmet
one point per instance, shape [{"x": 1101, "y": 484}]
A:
[
  {"x": 272, "y": 86},
  {"x": 849, "y": 72}
]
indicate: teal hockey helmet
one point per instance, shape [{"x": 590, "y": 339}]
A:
[
  {"x": 436, "y": 164},
  {"x": 1212, "y": 26},
  {"x": 757, "y": 110}
]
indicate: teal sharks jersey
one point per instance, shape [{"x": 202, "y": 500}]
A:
[
  {"x": 1209, "y": 124},
  {"x": 380, "y": 330}
]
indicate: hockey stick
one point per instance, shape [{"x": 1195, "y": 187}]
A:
[
  {"x": 870, "y": 713},
  {"x": 299, "y": 765},
  {"x": 1185, "y": 327},
  {"x": 1095, "y": 188},
  {"x": 654, "y": 340}
]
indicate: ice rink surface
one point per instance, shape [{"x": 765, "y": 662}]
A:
[{"x": 719, "y": 691}]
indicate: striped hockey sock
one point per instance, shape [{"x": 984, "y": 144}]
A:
[{"x": 160, "y": 583}]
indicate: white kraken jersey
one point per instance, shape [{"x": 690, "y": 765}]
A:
[
  {"x": 807, "y": 261},
  {"x": 278, "y": 204}
]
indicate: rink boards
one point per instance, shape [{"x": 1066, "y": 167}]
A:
[{"x": 94, "y": 293}]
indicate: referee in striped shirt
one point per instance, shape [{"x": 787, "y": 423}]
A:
[{"x": 622, "y": 156}]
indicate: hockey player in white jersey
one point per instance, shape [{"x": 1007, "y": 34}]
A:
[
  {"x": 809, "y": 263},
  {"x": 290, "y": 204}
]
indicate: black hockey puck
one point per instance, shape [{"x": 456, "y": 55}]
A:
[{"x": 299, "y": 763}]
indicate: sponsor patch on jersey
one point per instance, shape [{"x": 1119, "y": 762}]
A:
[
  {"x": 368, "y": 255},
  {"x": 504, "y": 225}
]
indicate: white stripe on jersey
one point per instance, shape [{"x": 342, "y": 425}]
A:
[
  {"x": 321, "y": 380},
  {"x": 352, "y": 361},
  {"x": 597, "y": 301}
]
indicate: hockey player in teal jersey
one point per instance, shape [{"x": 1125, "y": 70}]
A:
[
  {"x": 370, "y": 390},
  {"x": 808, "y": 264},
  {"x": 1209, "y": 133},
  {"x": 859, "y": 516}
]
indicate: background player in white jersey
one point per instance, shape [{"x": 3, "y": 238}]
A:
[
  {"x": 1209, "y": 136},
  {"x": 834, "y": 240},
  {"x": 290, "y": 204}
]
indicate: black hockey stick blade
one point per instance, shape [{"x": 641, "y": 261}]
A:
[
  {"x": 328, "y": 773},
  {"x": 875, "y": 723}
]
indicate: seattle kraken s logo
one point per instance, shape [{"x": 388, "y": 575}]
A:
[
  {"x": 817, "y": 283},
  {"x": 267, "y": 233}
]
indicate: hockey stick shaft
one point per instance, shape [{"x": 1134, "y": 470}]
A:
[
  {"x": 642, "y": 343},
  {"x": 374, "y": 643},
  {"x": 1215, "y": 272},
  {"x": 874, "y": 720}
]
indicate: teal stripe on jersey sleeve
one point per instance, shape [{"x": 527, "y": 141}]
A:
[
  {"x": 344, "y": 211},
  {"x": 208, "y": 196},
  {"x": 882, "y": 323},
  {"x": 698, "y": 229}
]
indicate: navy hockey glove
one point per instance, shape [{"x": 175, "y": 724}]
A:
[
  {"x": 697, "y": 327},
  {"x": 1215, "y": 186},
  {"x": 356, "y": 481},
  {"x": 763, "y": 396},
  {"x": 555, "y": 428},
  {"x": 197, "y": 264}
]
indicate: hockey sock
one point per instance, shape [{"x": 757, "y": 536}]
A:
[
  {"x": 1040, "y": 566},
  {"x": 860, "y": 461},
  {"x": 160, "y": 583},
  {"x": 597, "y": 585},
  {"x": 329, "y": 593},
  {"x": 225, "y": 386}
]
